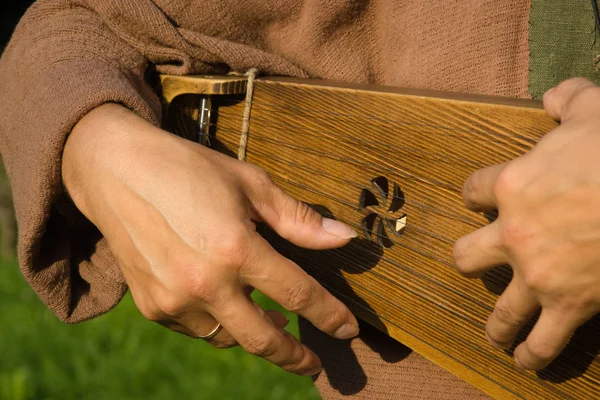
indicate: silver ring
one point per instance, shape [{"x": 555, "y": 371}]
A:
[{"x": 212, "y": 333}]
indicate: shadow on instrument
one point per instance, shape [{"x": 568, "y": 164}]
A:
[
  {"x": 579, "y": 354},
  {"x": 329, "y": 267}
]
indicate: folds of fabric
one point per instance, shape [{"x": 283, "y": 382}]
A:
[{"x": 69, "y": 56}]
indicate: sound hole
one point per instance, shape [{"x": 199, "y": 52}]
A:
[{"x": 377, "y": 222}]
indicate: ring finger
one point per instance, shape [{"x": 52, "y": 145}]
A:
[{"x": 256, "y": 332}]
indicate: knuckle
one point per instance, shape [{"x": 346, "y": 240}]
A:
[
  {"x": 585, "y": 300},
  {"x": 232, "y": 247},
  {"x": 509, "y": 318},
  {"x": 537, "y": 277},
  {"x": 514, "y": 234},
  {"x": 497, "y": 337},
  {"x": 300, "y": 295},
  {"x": 543, "y": 351},
  {"x": 303, "y": 214},
  {"x": 508, "y": 183},
  {"x": 569, "y": 84},
  {"x": 262, "y": 345},
  {"x": 222, "y": 343},
  {"x": 576, "y": 94},
  {"x": 295, "y": 362},
  {"x": 293, "y": 366},
  {"x": 588, "y": 93},
  {"x": 579, "y": 302},
  {"x": 472, "y": 188},
  {"x": 259, "y": 176},
  {"x": 171, "y": 307},
  {"x": 460, "y": 253},
  {"x": 202, "y": 287},
  {"x": 191, "y": 279},
  {"x": 333, "y": 320},
  {"x": 573, "y": 84}
]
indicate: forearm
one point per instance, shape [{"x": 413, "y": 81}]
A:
[
  {"x": 61, "y": 63},
  {"x": 97, "y": 143}
]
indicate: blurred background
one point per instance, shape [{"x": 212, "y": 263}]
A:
[{"x": 119, "y": 355}]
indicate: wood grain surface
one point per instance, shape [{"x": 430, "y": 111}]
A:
[
  {"x": 173, "y": 85},
  {"x": 337, "y": 147}
]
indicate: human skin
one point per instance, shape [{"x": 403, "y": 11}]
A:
[
  {"x": 180, "y": 220},
  {"x": 547, "y": 230}
]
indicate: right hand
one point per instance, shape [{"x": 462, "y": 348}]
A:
[{"x": 180, "y": 219}]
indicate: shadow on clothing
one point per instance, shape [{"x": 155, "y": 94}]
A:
[
  {"x": 340, "y": 363},
  {"x": 329, "y": 267}
]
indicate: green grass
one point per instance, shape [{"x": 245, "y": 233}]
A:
[{"x": 122, "y": 356}]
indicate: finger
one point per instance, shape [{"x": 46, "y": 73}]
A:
[
  {"x": 479, "y": 251},
  {"x": 548, "y": 338},
  {"x": 256, "y": 332},
  {"x": 478, "y": 191},
  {"x": 513, "y": 309},
  {"x": 287, "y": 284},
  {"x": 278, "y": 318},
  {"x": 577, "y": 96},
  {"x": 223, "y": 339},
  {"x": 197, "y": 325},
  {"x": 297, "y": 222}
]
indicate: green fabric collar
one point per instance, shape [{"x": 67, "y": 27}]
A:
[{"x": 563, "y": 43}]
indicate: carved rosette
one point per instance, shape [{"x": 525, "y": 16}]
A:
[{"x": 384, "y": 219}]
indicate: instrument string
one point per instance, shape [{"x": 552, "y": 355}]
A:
[
  {"x": 443, "y": 239},
  {"x": 260, "y": 122},
  {"x": 369, "y": 272},
  {"x": 360, "y": 164},
  {"x": 519, "y": 142},
  {"x": 417, "y": 205},
  {"x": 375, "y": 234},
  {"x": 583, "y": 350},
  {"x": 373, "y": 144},
  {"x": 477, "y": 134},
  {"x": 466, "y": 344},
  {"x": 431, "y": 256},
  {"x": 479, "y": 323}
]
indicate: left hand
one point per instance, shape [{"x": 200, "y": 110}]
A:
[{"x": 548, "y": 229}]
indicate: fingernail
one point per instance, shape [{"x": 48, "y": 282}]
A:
[
  {"x": 314, "y": 371},
  {"x": 346, "y": 331},
  {"x": 339, "y": 229}
]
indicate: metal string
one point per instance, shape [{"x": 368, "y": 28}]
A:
[
  {"x": 438, "y": 129},
  {"x": 450, "y": 132},
  {"x": 332, "y": 156},
  {"x": 421, "y": 206},
  {"x": 468, "y": 345}
]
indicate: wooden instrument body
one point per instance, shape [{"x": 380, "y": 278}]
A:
[{"x": 392, "y": 163}]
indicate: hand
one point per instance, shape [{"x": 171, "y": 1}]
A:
[
  {"x": 548, "y": 229},
  {"x": 180, "y": 220}
]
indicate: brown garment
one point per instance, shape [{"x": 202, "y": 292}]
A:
[{"x": 69, "y": 56}]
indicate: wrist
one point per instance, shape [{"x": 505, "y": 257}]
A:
[{"x": 105, "y": 138}]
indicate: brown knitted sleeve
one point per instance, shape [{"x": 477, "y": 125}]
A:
[
  {"x": 61, "y": 63},
  {"x": 67, "y": 57}
]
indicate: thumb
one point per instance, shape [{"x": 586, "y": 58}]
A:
[
  {"x": 572, "y": 98},
  {"x": 297, "y": 222}
]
